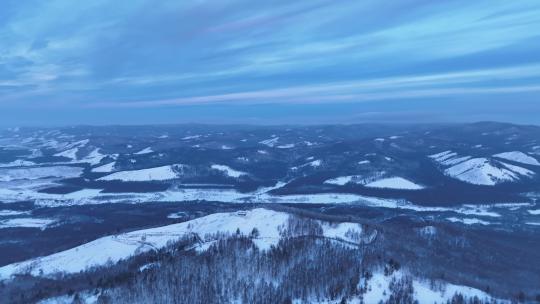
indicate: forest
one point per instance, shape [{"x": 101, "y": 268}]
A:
[{"x": 304, "y": 267}]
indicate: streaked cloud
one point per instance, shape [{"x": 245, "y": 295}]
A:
[
  {"x": 148, "y": 54},
  {"x": 403, "y": 87}
]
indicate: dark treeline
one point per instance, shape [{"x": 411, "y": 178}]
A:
[{"x": 234, "y": 270}]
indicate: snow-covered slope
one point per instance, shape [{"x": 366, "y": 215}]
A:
[
  {"x": 71, "y": 153},
  {"x": 151, "y": 174},
  {"x": 116, "y": 247},
  {"x": 144, "y": 151},
  {"x": 482, "y": 170},
  {"x": 17, "y": 163},
  {"x": 105, "y": 168},
  {"x": 32, "y": 173},
  {"x": 518, "y": 157},
  {"x": 228, "y": 171},
  {"x": 356, "y": 179},
  {"x": 442, "y": 292},
  {"x": 340, "y": 180},
  {"x": 93, "y": 158},
  {"x": 270, "y": 142},
  {"x": 26, "y": 222},
  {"x": 394, "y": 183}
]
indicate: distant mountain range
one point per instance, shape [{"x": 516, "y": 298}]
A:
[{"x": 425, "y": 164}]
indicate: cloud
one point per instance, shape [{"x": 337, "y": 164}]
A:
[
  {"x": 471, "y": 82},
  {"x": 144, "y": 53}
]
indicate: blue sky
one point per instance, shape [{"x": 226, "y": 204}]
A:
[{"x": 141, "y": 61}]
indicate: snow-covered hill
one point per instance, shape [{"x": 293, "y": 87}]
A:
[
  {"x": 481, "y": 170},
  {"x": 116, "y": 247},
  {"x": 518, "y": 157},
  {"x": 394, "y": 183},
  {"x": 151, "y": 174},
  {"x": 379, "y": 289},
  {"x": 33, "y": 173}
]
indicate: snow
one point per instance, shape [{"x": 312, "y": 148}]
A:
[
  {"x": 379, "y": 139},
  {"x": 65, "y": 299},
  {"x": 93, "y": 158},
  {"x": 228, "y": 171},
  {"x": 443, "y": 155},
  {"x": 356, "y": 179},
  {"x": 151, "y": 174},
  {"x": 534, "y": 212},
  {"x": 63, "y": 145},
  {"x": 454, "y": 161},
  {"x": 29, "y": 222},
  {"x": 28, "y": 190},
  {"x": 217, "y": 195},
  {"x": 519, "y": 157},
  {"x": 18, "y": 163},
  {"x": 478, "y": 210},
  {"x": 321, "y": 198},
  {"x": 12, "y": 212},
  {"x": 107, "y": 168},
  {"x": 86, "y": 297},
  {"x": 12, "y": 174},
  {"x": 448, "y": 158},
  {"x": 480, "y": 171},
  {"x": 428, "y": 231},
  {"x": 467, "y": 221},
  {"x": 270, "y": 142},
  {"x": 364, "y": 162},
  {"x": 79, "y": 144},
  {"x": 340, "y": 181},
  {"x": 394, "y": 183},
  {"x": 176, "y": 215},
  {"x": 425, "y": 294},
  {"x": 71, "y": 153},
  {"x": 518, "y": 170},
  {"x": 315, "y": 163},
  {"x": 533, "y": 223},
  {"x": 191, "y": 137},
  {"x": 148, "y": 266},
  {"x": 342, "y": 231},
  {"x": 146, "y": 150},
  {"x": 379, "y": 290},
  {"x": 286, "y": 146},
  {"x": 117, "y": 247}
]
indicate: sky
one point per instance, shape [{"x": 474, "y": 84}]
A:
[{"x": 66, "y": 62}]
